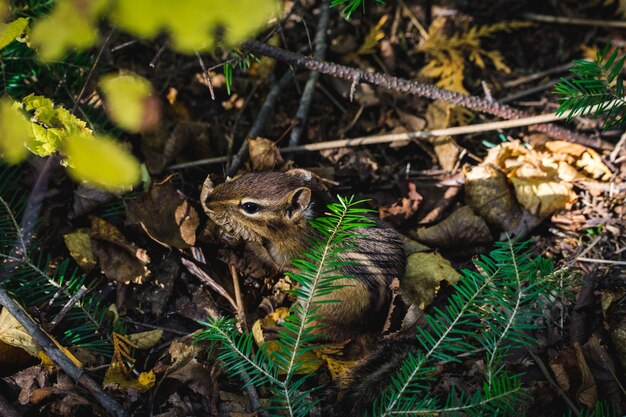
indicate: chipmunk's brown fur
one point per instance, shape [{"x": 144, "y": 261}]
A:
[{"x": 270, "y": 212}]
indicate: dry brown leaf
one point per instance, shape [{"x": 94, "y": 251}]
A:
[
  {"x": 31, "y": 379},
  {"x": 440, "y": 115},
  {"x": 424, "y": 272},
  {"x": 165, "y": 215},
  {"x": 535, "y": 177},
  {"x": 403, "y": 209},
  {"x": 462, "y": 228},
  {"x": 264, "y": 154},
  {"x": 585, "y": 158},
  {"x": 614, "y": 310},
  {"x": 119, "y": 260},
  {"x": 79, "y": 245},
  {"x": 489, "y": 194},
  {"x": 146, "y": 340}
]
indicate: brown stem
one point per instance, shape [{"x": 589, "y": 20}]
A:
[{"x": 414, "y": 88}]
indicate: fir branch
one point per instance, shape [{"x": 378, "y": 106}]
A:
[{"x": 596, "y": 89}]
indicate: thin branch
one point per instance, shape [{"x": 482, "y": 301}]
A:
[
  {"x": 575, "y": 20},
  {"x": 67, "y": 307},
  {"x": 411, "y": 87},
  {"x": 241, "y": 311},
  {"x": 309, "y": 88},
  {"x": 553, "y": 384},
  {"x": 47, "y": 345},
  {"x": 394, "y": 137}
]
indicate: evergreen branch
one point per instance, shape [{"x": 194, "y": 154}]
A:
[
  {"x": 223, "y": 331},
  {"x": 596, "y": 89},
  {"x": 462, "y": 303}
]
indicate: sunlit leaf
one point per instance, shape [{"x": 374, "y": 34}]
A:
[
  {"x": 10, "y": 31},
  {"x": 51, "y": 125},
  {"x": 127, "y": 99},
  {"x": 193, "y": 24},
  {"x": 101, "y": 162},
  {"x": 14, "y": 132},
  {"x": 71, "y": 24}
]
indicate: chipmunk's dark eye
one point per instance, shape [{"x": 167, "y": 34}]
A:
[{"x": 250, "y": 207}]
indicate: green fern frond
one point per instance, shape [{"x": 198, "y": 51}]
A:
[
  {"x": 317, "y": 276},
  {"x": 493, "y": 309},
  {"x": 597, "y": 89}
]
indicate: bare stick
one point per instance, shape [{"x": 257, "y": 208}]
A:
[
  {"x": 67, "y": 307},
  {"x": 241, "y": 312},
  {"x": 307, "y": 96},
  {"x": 46, "y": 344},
  {"x": 205, "y": 75},
  {"x": 538, "y": 75},
  {"x": 396, "y": 137},
  {"x": 574, "y": 20},
  {"x": 553, "y": 384},
  {"x": 260, "y": 121},
  {"x": 414, "y": 88}
]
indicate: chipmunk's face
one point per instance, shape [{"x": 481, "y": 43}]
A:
[{"x": 259, "y": 207}]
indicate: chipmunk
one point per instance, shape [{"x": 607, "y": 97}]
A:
[{"x": 270, "y": 212}]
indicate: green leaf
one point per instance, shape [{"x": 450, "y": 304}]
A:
[
  {"x": 193, "y": 24},
  {"x": 101, "y": 162},
  {"x": 126, "y": 96},
  {"x": 71, "y": 24},
  {"x": 14, "y": 132},
  {"x": 10, "y": 31}
]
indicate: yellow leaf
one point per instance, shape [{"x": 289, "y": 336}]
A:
[
  {"x": 79, "y": 245},
  {"x": 10, "y": 31},
  {"x": 71, "y": 24},
  {"x": 116, "y": 378},
  {"x": 14, "y": 132},
  {"x": 192, "y": 24},
  {"x": 101, "y": 162},
  {"x": 146, "y": 340},
  {"x": 424, "y": 272},
  {"x": 126, "y": 97},
  {"x": 13, "y": 333}
]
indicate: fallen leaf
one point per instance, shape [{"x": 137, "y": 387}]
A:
[
  {"x": 614, "y": 311},
  {"x": 119, "y": 260},
  {"x": 116, "y": 379},
  {"x": 460, "y": 229},
  {"x": 10, "y": 31},
  {"x": 403, "y": 209},
  {"x": 490, "y": 196},
  {"x": 264, "y": 154},
  {"x": 146, "y": 340},
  {"x": 165, "y": 215},
  {"x": 79, "y": 245},
  {"x": 424, "y": 272}
]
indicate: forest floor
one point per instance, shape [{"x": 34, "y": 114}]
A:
[{"x": 156, "y": 266}]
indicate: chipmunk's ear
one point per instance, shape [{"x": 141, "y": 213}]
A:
[
  {"x": 299, "y": 202},
  {"x": 207, "y": 190},
  {"x": 302, "y": 173}
]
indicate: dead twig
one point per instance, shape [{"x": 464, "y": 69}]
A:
[
  {"x": 414, "y": 88},
  {"x": 67, "y": 307},
  {"x": 553, "y": 384},
  {"x": 574, "y": 20},
  {"x": 307, "y": 96},
  {"x": 396, "y": 137},
  {"x": 241, "y": 311}
]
